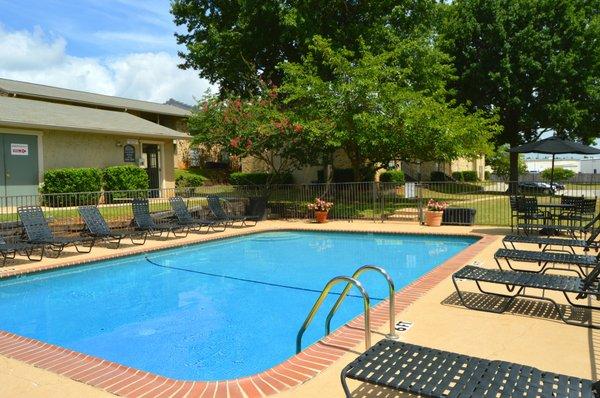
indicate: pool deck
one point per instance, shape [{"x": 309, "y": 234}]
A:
[{"x": 529, "y": 333}]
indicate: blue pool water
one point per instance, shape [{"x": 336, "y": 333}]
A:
[{"x": 212, "y": 311}]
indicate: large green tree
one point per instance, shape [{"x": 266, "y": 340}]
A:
[
  {"x": 234, "y": 43},
  {"x": 386, "y": 106},
  {"x": 534, "y": 63}
]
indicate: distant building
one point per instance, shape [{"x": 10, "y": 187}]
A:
[
  {"x": 44, "y": 127},
  {"x": 539, "y": 165}
]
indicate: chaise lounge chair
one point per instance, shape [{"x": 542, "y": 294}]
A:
[
  {"x": 550, "y": 244},
  {"x": 429, "y": 372},
  {"x": 144, "y": 221},
  {"x": 516, "y": 282},
  {"x": 214, "y": 204},
  {"x": 9, "y": 250},
  {"x": 97, "y": 227},
  {"x": 39, "y": 233},
  {"x": 184, "y": 217},
  {"x": 546, "y": 260}
]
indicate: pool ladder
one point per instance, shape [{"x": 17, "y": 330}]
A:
[{"x": 352, "y": 281}]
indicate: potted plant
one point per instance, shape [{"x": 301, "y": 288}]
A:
[
  {"x": 321, "y": 208},
  {"x": 434, "y": 213}
]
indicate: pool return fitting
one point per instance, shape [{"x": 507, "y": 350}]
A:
[{"x": 352, "y": 281}]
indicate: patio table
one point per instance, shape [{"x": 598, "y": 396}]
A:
[{"x": 555, "y": 210}]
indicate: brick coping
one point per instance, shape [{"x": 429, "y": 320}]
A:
[{"x": 126, "y": 381}]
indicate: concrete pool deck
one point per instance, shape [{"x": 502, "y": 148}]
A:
[{"x": 529, "y": 333}]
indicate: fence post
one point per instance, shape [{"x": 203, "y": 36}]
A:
[
  {"x": 373, "y": 187},
  {"x": 419, "y": 204}
]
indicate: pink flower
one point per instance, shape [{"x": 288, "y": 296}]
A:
[
  {"x": 235, "y": 142},
  {"x": 248, "y": 144},
  {"x": 298, "y": 128}
]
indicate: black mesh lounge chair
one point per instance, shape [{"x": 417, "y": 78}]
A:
[
  {"x": 552, "y": 244},
  {"x": 546, "y": 260},
  {"x": 516, "y": 282},
  {"x": 184, "y": 217},
  {"x": 428, "y": 372},
  {"x": 551, "y": 229},
  {"x": 214, "y": 204},
  {"x": 97, "y": 227},
  {"x": 144, "y": 221},
  {"x": 8, "y": 250},
  {"x": 39, "y": 233}
]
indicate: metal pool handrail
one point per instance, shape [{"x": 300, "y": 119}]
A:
[
  {"x": 324, "y": 292},
  {"x": 391, "y": 289}
]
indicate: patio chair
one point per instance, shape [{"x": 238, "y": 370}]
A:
[
  {"x": 549, "y": 244},
  {"x": 583, "y": 289},
  {"x": 184, "y": 217},
  {"x": 542, "y": 259},
  {"x": 571, "y": 229},
  {"x": 39, "y": 233},
  {"x": 583, "y": 211},
  {"x": 9, "y": 250},
  {"x": 214, "y": 205},
  {"x": 429, "y": 372},
  {"x": 97, "y": 227},
  {"x": 528, "y": 215},
  {"x": 144, "y": 221}
]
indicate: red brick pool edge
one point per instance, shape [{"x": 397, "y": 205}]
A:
[{"x": 125, "y": 381}]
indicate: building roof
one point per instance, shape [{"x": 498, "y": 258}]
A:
[
  {"x": 179, "y": 104},
  {"x": 82, "y": 97},
  {"x": 25, "y": 113}
]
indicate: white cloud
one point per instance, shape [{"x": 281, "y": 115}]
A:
[
  {"x": 142, "y": 38},
  {"x": 152, "y": 76}
]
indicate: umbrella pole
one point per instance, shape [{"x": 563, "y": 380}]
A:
[{"x": 552, "y": 172}]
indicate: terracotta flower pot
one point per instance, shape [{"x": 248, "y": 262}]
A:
[
  {"x": 433, "y": 218},
  {"x": 321, "y": 216}
]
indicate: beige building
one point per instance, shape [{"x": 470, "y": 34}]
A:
[{"x": 43, "y": 127}]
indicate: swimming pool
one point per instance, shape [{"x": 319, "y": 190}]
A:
[{"x": 211, "y": 311}]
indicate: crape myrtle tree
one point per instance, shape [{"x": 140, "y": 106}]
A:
[
  {"x": 386, "y": 106},
  {"x": 534, "y": 63},
  {"x": 259, "y": 127}
]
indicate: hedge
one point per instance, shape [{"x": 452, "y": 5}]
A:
[
  {"x": 260, "y": 178},
  {"x": 71, "y": 180},
  {"x": 124, "y": 178},
  {"x": 188, "y": 179},
  {"x": 392, "y": 176},
  {"x": 458, "y": 176},
  {"x": 439, "y": 176}
]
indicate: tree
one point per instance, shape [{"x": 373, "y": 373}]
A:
[
  {"x": 386, "y": 106},
  {"x": 499, "y": 161},
  {"x": 559, "y": 174},
  {"x": 234, "y": 43},
  {"x": 535, "y": 63},
  {"x": 258, "y": 127}
]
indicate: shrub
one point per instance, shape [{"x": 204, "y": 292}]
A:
[
  {"x": 71, "y": 180},
  {"x": 259, "y": 178},
  {"x": 392, "y": 176},
  {"x": 437, "y": 176},
  {"x": 560, "y": 174},
  {"x": 470, "y": 176},
  {"x": 188, "y": 179},
  {"x": 487, "y": 175},
  {"x": 124, "y": 178},
  {"x": 458, "y": 176}
]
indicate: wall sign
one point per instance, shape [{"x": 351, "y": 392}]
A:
[
  {"x": 129, "y": 153},
  {"x": 19, "y": 149}
]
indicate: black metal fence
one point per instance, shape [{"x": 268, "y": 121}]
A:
[{"x": 373, "y": 201}]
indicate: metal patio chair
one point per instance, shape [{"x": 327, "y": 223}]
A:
[
  {"x": 219, "y": 213},
  {"x": 97, "y": 227},
  {"x": 428, "y": 372},
  {"x": 516, "y": 282},
  {"x": 184, "y": 217},
  {"x": 39, "y": 233},
  {"x": 144, "y": 221}
]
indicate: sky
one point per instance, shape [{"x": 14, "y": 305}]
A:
[{"x": 115, "y": 47}]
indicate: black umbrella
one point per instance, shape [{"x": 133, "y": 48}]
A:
[{"x": 555, "y": 146}]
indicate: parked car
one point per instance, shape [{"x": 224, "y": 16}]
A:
[{"x": 531, "y": 187}]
